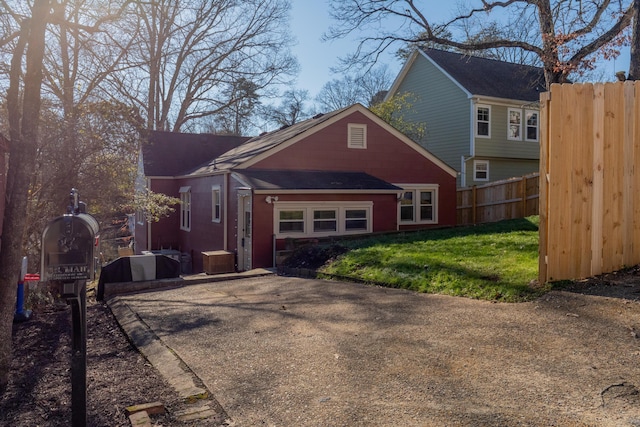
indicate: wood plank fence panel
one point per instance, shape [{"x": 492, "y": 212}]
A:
[
  {"x": 590, "y": 206},
  {"x": 507, "y": 199}
]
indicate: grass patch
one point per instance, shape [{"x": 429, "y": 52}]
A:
[{"x": 497, "y": 261}]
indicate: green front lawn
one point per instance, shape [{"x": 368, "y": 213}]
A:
[{"x": 496, "y": 261}]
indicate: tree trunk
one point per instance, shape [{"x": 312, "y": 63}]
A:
[
  {"x": 24, "y": 136},
  {"x": 634, "y": 63}
]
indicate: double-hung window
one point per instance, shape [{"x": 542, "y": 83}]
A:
[
  {"x": 296, "y": 219},
  {"x": 325, "y": 220},
  {"x": 483, "y": 121},
  {"x": 418, "y": 204},
  {"x": 215, "y": 203},
  {"x": 531, "y": 132},
  {"x": 185, "y": 208},
  {"x": 481, "y": 170},
  {"x": 514, "y": 129}
]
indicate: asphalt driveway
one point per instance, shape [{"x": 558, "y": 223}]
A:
[{"x": 279, "y": 351}]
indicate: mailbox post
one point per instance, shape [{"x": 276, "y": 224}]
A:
[{"x": 68, "y": 245}]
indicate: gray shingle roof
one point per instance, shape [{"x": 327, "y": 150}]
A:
[
  {"x": 260, "y": 144},
  {"x": 173, "y": 154},
  {"x": 312, "y": 180},
  {"x": 490, "y": 77}
]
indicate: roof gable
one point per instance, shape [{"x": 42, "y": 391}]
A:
[
  {"x": 173, "y": 154},
  {"x": 263, "y": 146},
  {"x": 482, "y": 76}
]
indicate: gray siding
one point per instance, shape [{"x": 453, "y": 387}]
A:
[
  {"x": 499, "y": 145},
  {"x": 500, "y": 169},
  {"x": 443, "y": 107}
]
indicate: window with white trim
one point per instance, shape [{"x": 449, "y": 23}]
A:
[
  {"x": 325, "y": 220},
  {"x": 531, "y": 132},
  {"x": 215, "y": 203},
  {"x": 481, "y": 170},
  {"x": 357, "y": 136},
  {"x": 295, "y": 219},
  {"x": 418, "y": 205},
  {"x": 514, "y": 127},
  {"x": 483, "y": 121},
  {"x": 185, "y": 208}
]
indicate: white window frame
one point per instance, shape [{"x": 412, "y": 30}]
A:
[
  {"x": 216, "y": 202},
  {"x": 477, "y": 121},
  {"x": 308, "y": 209},
  {"x": 355, "y": 129},
  {"x": 185, "y": 208},
  {"x": 517, "y": 126},
  {"x": 415, "y": 190},
  {"x": 526, "y": 125},
  {"x": 476, "y": 163}
]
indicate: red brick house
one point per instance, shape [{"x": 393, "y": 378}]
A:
[{"x": 342, "y": 173}]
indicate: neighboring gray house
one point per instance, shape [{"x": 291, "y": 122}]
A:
[{"x": 481, "y": 115}]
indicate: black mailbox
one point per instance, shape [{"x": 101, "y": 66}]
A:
[{"x": 68, "y": 244}]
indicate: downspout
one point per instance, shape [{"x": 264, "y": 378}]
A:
[
  {"x": 472, "y": 141},
  {"x": 148, "y": 248},
  {"x": 225, "y": 224}
]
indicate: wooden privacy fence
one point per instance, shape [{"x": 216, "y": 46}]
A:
[
  {"x": 589, "y": 190},
  {"x": 506, "y": 199}
]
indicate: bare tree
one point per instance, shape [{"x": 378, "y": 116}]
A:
[
  {"x": 348, "y": 90},
  {"x": 23, "y": 104},
  {"x": 291, "y": 110},
  {"x": 569, "y": 32},
  {"x": 81, "y": 53},
  {"x": 189, "y": 51},
  {"x": 634, "y": 63}
]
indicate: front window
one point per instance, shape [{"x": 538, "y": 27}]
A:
[
  {"x": 483, "y": 117},
  {"x": 291, "y": 222},
  {"x": 325, "y": 220},
  {"x": 481, "y": 170},
  {"x": 406, "y": 207},
  {"x": 356, "y": 220},
  {"x": 514, "y": 131},
  {"x": 293, "y": 219},
  {"x": 418, "y": 204},
  {"x": 185, "y": 208},
  {"x": 532, "y": 125},
  {"x": 426, "y": 206}
]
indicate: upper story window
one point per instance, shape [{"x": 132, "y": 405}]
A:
[
  {"x": 357, "y": 136},
  {"x": 481, "y": 170},
  {"x": 185, "y": 208},
  {"x": 514, "y": 129},
  {"x": 531, "y": 132},
  {"x": 483, "y": 121},
  {"x": 215, "y": 203},
  {"x": 418, "y": 204},
  {"x": 516, "y": 124}
]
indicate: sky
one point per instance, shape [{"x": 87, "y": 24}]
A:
[{"x": 310, "y": 19}]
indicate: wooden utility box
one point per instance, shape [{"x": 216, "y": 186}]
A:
[{"x": 216, "y": 262}]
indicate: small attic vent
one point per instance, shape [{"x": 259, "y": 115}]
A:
[{"x": 357, "y": 136}]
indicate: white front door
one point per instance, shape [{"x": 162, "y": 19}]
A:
[{"x": 244, "y": 229}]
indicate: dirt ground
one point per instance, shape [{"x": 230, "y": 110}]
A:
[{"x": 39, "y": 392}]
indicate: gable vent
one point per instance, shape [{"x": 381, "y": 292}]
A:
[{"x": 357, "y": 136}]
